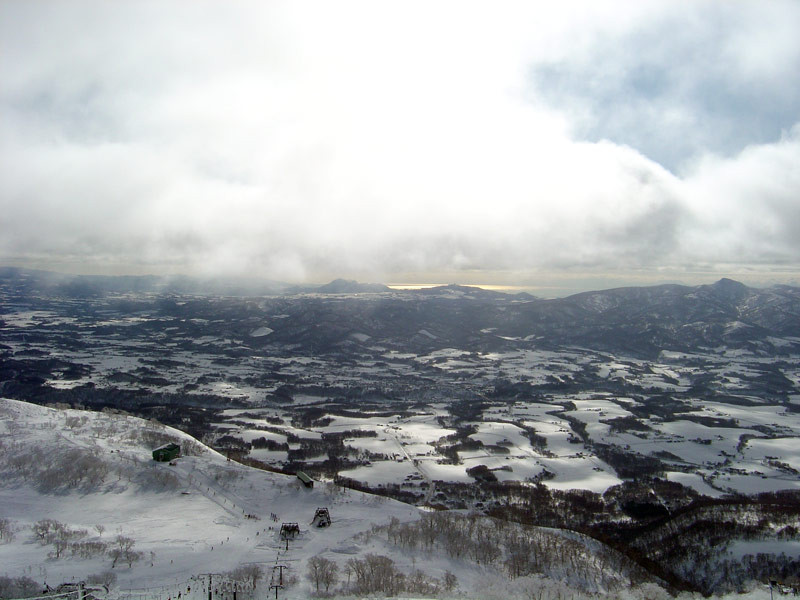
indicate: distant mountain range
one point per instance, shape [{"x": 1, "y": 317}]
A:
[
  {"x": 37, "y": 281},
  {"x": 675, "y": 316},
  {"x": 642, "y": 320},
  {"x": 62, "y": 284},
  {"x": 341, "y": 286},
  {"x": 96, "y": 285}
]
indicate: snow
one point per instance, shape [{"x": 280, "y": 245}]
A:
[
  {"x": 261, "y": 332},
  {"x": 287, "y": 429},
  {"x": 376, "y": 445},
  {"x": 248, "y": 435},
  {"x": 442, "y": 472},
  {"x": 696, "y": 482},
  {"x": 192, "y": 517},
  {"x": 269, "y": 456},
  {"x": 788, "y": 449},
  {"x": 580, "y": 473},
  {"x": 382, "y": 473},
  {"x": 493, "y": 433},
  {"x": 743, "y": 547},
  {"x": 30, "y": 318},
  {"x": 747, "y": 484},
  {"x": 197, "y": 526}
]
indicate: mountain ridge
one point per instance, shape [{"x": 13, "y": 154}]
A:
[
  {"x": 66, "y": 283},
  {"x": 641, "y": 320}
]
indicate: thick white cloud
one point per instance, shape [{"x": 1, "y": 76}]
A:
[
  {"x": 311, "y": 140},
  {"x": 696, "y": 77},
  {"x": 747, "y": 208}
]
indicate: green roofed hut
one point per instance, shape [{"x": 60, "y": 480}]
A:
[
  {"x": 307, "y": 481},
  {"x": 167, "y": 452}
]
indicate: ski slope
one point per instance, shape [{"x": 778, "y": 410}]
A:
[{"x": 193, "y": 517}]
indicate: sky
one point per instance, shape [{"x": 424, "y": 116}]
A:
[{"x": 553, "y": 146}]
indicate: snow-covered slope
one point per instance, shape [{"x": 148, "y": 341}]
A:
[
  {"x": 77, "y": 488},
  {"x": 87, "y": 469}
]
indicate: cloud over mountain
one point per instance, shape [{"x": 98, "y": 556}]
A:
[{"x": 308, "y": 142}]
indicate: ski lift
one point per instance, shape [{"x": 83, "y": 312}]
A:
[{"x": 322, "y": 518}]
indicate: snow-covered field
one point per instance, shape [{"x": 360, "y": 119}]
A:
[
  {"x": 93, "y": 473},
  {"x": 730, "y": 450},
  {"x": 726, "y": 430}
]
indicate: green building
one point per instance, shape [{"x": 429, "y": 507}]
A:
[
  {"x": 307, "y": 481},
  {"x": 167, "y": 452}
]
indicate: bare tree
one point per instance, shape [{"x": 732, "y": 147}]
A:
[
  {"x": 322, "y": 572},
  {"x": 250, "y": 574},
  {"x": 122, "y": 549},
  {"x": 19, "y": 587},
  {"x": 420, "y": 583},
  {"x": 375, "y": 573},
  {"x": 450, "y": 581},
  {"x": 45, "y": 529},
  {"x": 7, "y": 530},
  {"x": 88, "y": 549},
  {"x": 49, "y": 531}
]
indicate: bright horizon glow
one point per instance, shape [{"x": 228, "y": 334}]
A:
[{"x": 483, "y": 286}]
